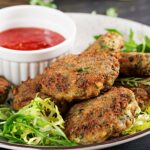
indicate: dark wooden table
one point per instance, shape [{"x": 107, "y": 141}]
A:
[{"x": 138, "y": 10}]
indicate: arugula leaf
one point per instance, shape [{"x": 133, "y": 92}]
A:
[
  {"x": 112, "y": 12},
  {"x": 147, "y": 39},
  {"x": 109, "y": 30},
  {"x": 47, "y": 3},
  {"x": 96, "y": 37},
  {"x": 145, "y": 47},
  {"x": 130, "y": 44},
  {"x": 114, "y": 30}
]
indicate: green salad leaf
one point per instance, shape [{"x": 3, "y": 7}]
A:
[
  {"x": 130, "y": 44},
  {"x": 38, "y": 123},
  {"x": 142, "y": 122},
  {"x": 97, "y": 36},
  {"x": 47, "y": 3},
  {"x": 5, "y": 112},
  {"x": 112, "y": 12},
  {"x": 113, "y": 30},
  {"x": 145, "y": 46}
]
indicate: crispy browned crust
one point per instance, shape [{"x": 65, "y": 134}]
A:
[
  {"x": 4, "y": 89},
  {"x": 26, "y": 92},
  {"x": 74, "y": 77},
  {"x": 141, "y": 91},
  {"x": 98, "y": 119},
  {"x": 135, "y": 64},
  {"x": 142, "y": 96},
  {"x": 80, "y": 77},
  {"x": 111, "y": 42}
]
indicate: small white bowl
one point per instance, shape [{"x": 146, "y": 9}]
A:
[{"x": 16, "y": 65}]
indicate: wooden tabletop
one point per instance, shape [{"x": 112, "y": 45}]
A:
[{"x": 138, "y": 10}]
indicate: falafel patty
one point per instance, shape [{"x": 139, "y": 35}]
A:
[
  {"x": 135, "y": 64},
  {"x": 80, "y": 77},
  {"x": 111, "y": 42},
  {"x": 74, "y": 77},
  {"x": 98, "y": 119},
  {"x": 141, "y": 91},
  {"x": 4, "y": 89},
  {"x": 26, "y": 92}
]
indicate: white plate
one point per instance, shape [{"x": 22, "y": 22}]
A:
[{"x": 87, "y": 26}]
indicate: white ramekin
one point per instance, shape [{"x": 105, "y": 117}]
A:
[{"x": 17, "y": 66}]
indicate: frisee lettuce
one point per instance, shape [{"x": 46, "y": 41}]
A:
[
  {"x": 142, "y": 122},
  {"x": 38, "y": 123},
  {"x": 5, "y": 112}
]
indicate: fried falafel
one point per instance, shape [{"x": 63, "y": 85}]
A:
[{"x": 98, "y": 119}]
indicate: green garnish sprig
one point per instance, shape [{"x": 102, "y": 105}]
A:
[
  {"x": 130, "y": 44},
  {"x": 47, "y": 3},
  {"x": 83, "y": 69},
  {"x": 112, "y": 12},
  {"x": 133, "y": 81}
]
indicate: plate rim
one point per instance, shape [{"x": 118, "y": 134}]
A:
[{"x": 105, "y": 144}]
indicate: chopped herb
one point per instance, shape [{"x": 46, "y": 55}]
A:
[
  {"x": 112, "y": 12},
  {"x": 114, "y": 30},
  {"x": 47, "y": 3},
  {"x": 132, "y": 81},
  {"x": 104, "y": 46},
  {"x": 85, "y": 69}
]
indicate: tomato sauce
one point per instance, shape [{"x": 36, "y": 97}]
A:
[{"x": 27, "y": 39}]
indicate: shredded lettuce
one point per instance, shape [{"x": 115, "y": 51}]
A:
[
  {"x": 38, "y": 123},
  {"x": 142, "y": 122},
  {"x": 5, "y": 112}
]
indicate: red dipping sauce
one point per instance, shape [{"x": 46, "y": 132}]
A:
[{"x": 27, "y": 39}]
